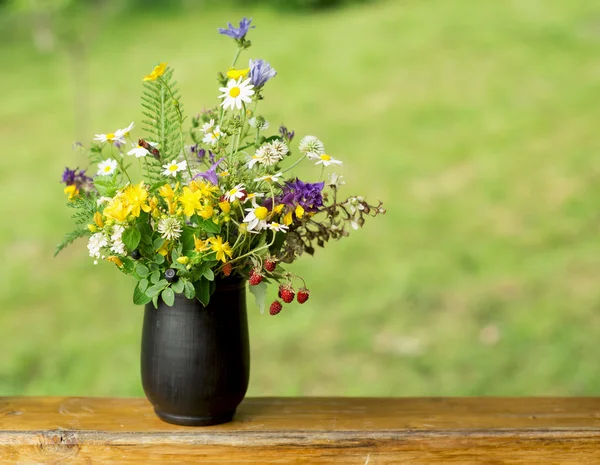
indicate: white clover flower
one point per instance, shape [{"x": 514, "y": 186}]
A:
[
  {"x": 95, "y": 244},
  {"x": 280, "y": 147},
  {"x": 311, "y": 145},
  {"x": 169, "y": 228},
  {"x": 107, "y": 167},
  {"x": 171, "y": 169},
  {"x": 335, "y": 180},
  {"x": 235, "y": 93},
  {"x": 118, "y": 246},
  {"x": 259, "y": 123},
  {"x": 325, "y": 160}
]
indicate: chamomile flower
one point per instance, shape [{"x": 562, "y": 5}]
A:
[
  {"x": 253, "y": 196},
  {"x": 280, "y": 147},
  {"x": 256, "y": 218},
  {"x": 112, "y": 137},
  {"x": 274, "y": 178},
  {"x": 169, "y": 228},
  {"x": 236, "y": 192},
  {"x": 138, "y": 151},
  {"x": 107, "y": 167},
  {"x": 212, "y": 137},
  {"x": 326, "y": 160},
  {"x": 278, "y": 227},
  {"x": 171, "y": 169},
  {"x": 122, "y": 133},
  {"x": 311, "y": 145},
  {"x": 235, "y": 93},
  {"x": 206, "y": 127}
]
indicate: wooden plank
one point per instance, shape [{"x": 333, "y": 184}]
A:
[{"x": 306, "y": 430}]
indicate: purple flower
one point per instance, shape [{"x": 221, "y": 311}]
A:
[
  {"x": 260, "y": 72},
  {"x": 211, "y": 174},
  {"x": 287, "y": 135},
  {"x": 68, "y": 176},
  {"x": 299, "y": 193},
  {"x": 237, "y": 33},
  {"x": 71, "y": 177}
]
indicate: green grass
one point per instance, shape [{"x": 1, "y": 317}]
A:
[{"x": 477, "y": 124}]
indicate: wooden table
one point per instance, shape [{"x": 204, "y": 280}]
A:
[{"x": 363, "y": 431}]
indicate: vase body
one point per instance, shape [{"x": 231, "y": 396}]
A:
[{"x": 195, "y": 359}]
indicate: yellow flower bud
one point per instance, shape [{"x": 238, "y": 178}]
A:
[
  {"x": 116, "y": 260},
  {"x": 225, "y": 206},
  {"x": 183, "y": 260},
  {"x": 98, "y": 220},
  {"x": 92, "y": 228}
]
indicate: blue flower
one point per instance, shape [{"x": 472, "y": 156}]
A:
[
  {"x": 237, "y": 33},
  {"x": 260, "y": 72},
  {"x": 211, "y": 174}
]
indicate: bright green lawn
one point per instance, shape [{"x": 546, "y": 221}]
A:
[{"x": 477, "y": 124}]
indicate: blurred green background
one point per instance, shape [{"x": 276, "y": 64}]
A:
[{"x": 475, "y": 122}]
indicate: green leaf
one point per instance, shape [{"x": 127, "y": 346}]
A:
[
  {"x": 188, "y": 290},
  {"x": 209, "y": 274},
  {"x": 168, "y": 296},
  {"x": 210, "y": 226},
  {"x": 178, "y": 286},
  {"x": 127, "y": 265},
  {"x": 155, "y": 277},
  {"x": 143, "y": 285},
  {"x": 105, "y": 185},
  {"x": 187, "y": 240},
  {"x": 131, "y": 238},
  {"x": 203, "y": 291},
  {"x": 158, "y": 243},
  {"x": 259, "y": 293},
  {"x": 157, "y": 288},
  {"x": 155, "y": 301},
  {"x": 160, "y": 259},
  {"x": 142, "y": 270},
  {"x": 139, "y": 297},
  {"x": 146, "y": 231}
]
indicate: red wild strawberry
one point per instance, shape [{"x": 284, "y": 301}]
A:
[
  {"x": 255, "y": 277},
  {"x": 302, "y": 295},
  {"x": 226, "y": 269},
  {"x": 286, "y": 293},
  {"x": 275, "y": 307},
  {"x": 270, "y": 265}
]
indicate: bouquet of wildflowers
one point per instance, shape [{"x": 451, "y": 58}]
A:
[{"x": 178, "y": 208}]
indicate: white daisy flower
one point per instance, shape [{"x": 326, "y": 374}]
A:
[
  {"x": 169, "y": 228},
  {"x": 206, "y": 127},
  {"x": 138, "y": 151},
  {"x": 259, "y": 123},
  {"x": 326, "y": 160},
  {"x": 118, "y": 246},
  {"x": 95, "y": 244},
  {"x": 256, "y": 218},
  {"x": 253, "y": 196},
  {"x": 280, "y": 147},
  {"x": 237, "y": 192},
  {"x": 275, "y": 178},
  {"x": 311, "y": 145},
  {"x": 173, "y": 168},
  {"x": 235, "y": 93},
  {"x": 253, "y": 161},
  {"x": 278, "y": 227},
  {"x": 122, "y": 133},
  {"x": 213, "y": 137},
  {"x": 107, "y": 167},
  {"x": 111, "y": 137},
  {"x": 335, "y": 180}
]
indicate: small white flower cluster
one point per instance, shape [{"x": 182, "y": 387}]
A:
[
  {"x": 95, "y": 244},
  {"x": 117, "y": 244},
  {"x": 269, "y": 154},
  {"x": 212, "y": 133}
]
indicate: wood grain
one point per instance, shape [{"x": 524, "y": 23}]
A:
[{"x": 307, "y": 430}]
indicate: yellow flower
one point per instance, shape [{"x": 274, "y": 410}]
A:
[
  {"x": 166, "y": 191},
  {"x": 279, "y": 208},
  {"x": 116, "y": 260},
  {"x": 92, "y": 228},
  {"x": 72, "y": 191},
  {"x": 164, "y": 250},
  {"x": 208, "y": 190},
  {"x": 220, "y": 248},
  {"x": 225, "y": 207},
  {"x": 118, "y": 209},
  {"x": 299, "y": 211},
  {"x": 200, "y": 245},
  {"x": 157, "y": 72},
  {"x": 237, "y": 73},
  {"x": 183, "y": 260},
  {"x": 287, "y": 219},
  {"x": 98, "y": 220},
  {"x": 151, "y": 207},
  {"x": 136, "y": 196},
  {"x": 206, "y": 212},
  {"x": 190, "y": 201}
]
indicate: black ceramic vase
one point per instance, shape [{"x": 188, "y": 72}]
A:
[{"x": 196, "y": 359}]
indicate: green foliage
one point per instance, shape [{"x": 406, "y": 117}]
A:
[{"x": 163, "y": 113}]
